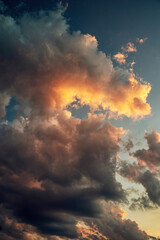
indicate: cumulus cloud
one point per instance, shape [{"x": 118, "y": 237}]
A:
[
  {"x": 130, "y": 47},
  {"x": 57, "y": 170},
  {"x": 113, "y": 226},
  {"x": 50, "y": 67},
  {"x": 120, "y": 57}
]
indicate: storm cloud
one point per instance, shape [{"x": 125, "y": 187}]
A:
[{"x": 57, "y": 170}]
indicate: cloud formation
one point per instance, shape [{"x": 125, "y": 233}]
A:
[
  {"x": 50, "y": 67},
  {"x": 114, "y": 226},
  {"x": 145, "y": 171},
  {"x": 120, "y": 58},
  {"x": 151, "y": 156},
  {"x": 56, "y": 170},
  {"x": 130, "y": 47},
  {"x": 49, "y": 173}
]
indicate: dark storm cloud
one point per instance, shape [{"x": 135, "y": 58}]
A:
[
  {"x": 115, "y": 227},
  {"x": 53, "y": 172}
]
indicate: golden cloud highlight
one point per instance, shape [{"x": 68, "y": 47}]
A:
[
  {"x": 89, "y": 232},
  {"x": 128, "y": 99},
  {"x": 120, "y": 57}
]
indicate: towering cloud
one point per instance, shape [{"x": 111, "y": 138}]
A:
[
  {"x": 55, "y": 170},
  {"x": 49, "y": 67}
]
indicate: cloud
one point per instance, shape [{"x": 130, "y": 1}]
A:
[
  {"x": 4, "y": 101},
  {"x": 54, "y": 171},
  {"x": 151, "y": 156},
  {"x": 114, "y": 227},
  {"x": 130, "y": 47},
  {"x": 120, "y": 58},
  {"x": 148, "y": 167},
  {"x": 151, "y": 183},
  {"x": 51, "y": 66},
  {"x": 141, "y": 40},
  {"x": 142, "y": 203},
  {"x": 149, "y": 180},
  {"x": 128, "y": 144}
]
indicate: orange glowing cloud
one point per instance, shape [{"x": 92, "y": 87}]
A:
[
  {"x": 120, "y": 58},
  {"x": 130, "y": 47},
  {"x": 124, "y": 99},
  {"x": 88, "y": 232},
  {"x": 65, "y": 66},
  {"x": 141, "y": 40}
]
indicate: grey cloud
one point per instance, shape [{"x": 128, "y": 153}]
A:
[
  {"x": 3, "y": 7},
  {"x": 142, "y": 203},
  {"x": 4, "y": 101},
  {"x": 114, "y": 227},
  {"x": 150, "y": 181},
  {"x": 150, "y": 156},
  {"x": 53, "y": 173}
]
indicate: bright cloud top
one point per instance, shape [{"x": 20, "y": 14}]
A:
[{"x": 50, "y": 67}]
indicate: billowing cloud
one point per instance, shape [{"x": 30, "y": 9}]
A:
[
  {"x": 112, "y": 226},
  {"x": 54, "y": 171},
  {"x": 50, "y": 67}
]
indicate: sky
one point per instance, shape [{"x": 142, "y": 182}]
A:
[{"x": 79, "y": 120}]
